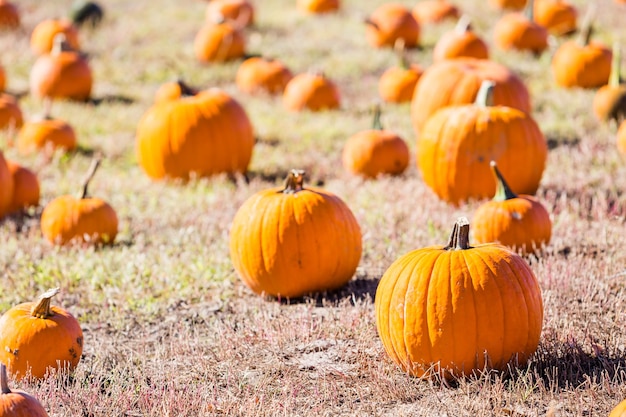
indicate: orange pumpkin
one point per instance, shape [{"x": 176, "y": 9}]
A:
[
  {"x": 290, "y": 241},
  {"x": 621, "y": 138},
  {"x": 36, "y": 337},
  {"x": 609, "y": 101},
  {"x": 9, "y": 15},
  {"x": 25, "y": 187},
  {"x": 10, "y": 112},
  {"x": 312, "y": 91},
  {"x": 434, "y": 11},
  {"x": 6, "y": 187},
  {"x": 519, "y": 31},
  {"x": 457, "y": 143},
  {"x": 397, "y": 84},
  {"x": 582, "y": 63},
  {"x": 460, "y": 42},
  {"x": 459, "y": 310},
  {"x": 46, "y": 133},
  {"x": 202, "y": 135},
  {"x": 239, "y": 11},
  {"x": 508, "y": 4},
  {"x": 620, "y": 409},
  {"x": 3, "y": 78},
  {"x": 173, "y": 91},
  {"x": 389, "y": 23},
  {"x": 219, "y": 42},
  {"x": 457, "y": 81},
  {"x": 17, "y": 403},
  {"x": 91, "y": 220},
  {"x": 262, "y": 75},
  {"x": 318, "y": 6},
  {"x": 376, "y": 151},
  {"x": 558, "y": 16},
  {"x": 42, "y": 38},
  {"x": 520, "y": 222},
  {"x": 63, "y": 73}
]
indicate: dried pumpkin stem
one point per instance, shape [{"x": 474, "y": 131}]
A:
[
  {"x": 371, "y": 23},
  {"x": 59, "y": 44},
  {"x": 4, "y": 379},
  {"x": 484, "y": 97},
  {"x": 400, "y": 47},
  {"x": 42, "y": 309},
  {"x": 376, "y": 123},
  {"x": 294, "y": 181},
  {"x": 503, "y": 191},
  {"x": 463, "y": 25},
  {"x": 586, "y": 30},
  {"x": 529, "y": 11},
  {"x": 615, "y": 78},
  {"x": 459, "y": 238},
  {"x": 185, "y": 90},
  {"x": 92, "y": 171}
]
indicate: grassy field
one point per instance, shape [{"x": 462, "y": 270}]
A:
[{"x": 170, "y": 330}]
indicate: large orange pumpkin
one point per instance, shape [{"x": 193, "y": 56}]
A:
[
  {"x": 9, "y": 15},
  {"x": 17, "y": 403},
  {"x": 67, "y": 219},
  {"x": 262, "y": 75},
  {"x": 609, "y": 101},
  {"x": 36, "y": 337},
  {"x": 519, "y": 31},
  {"x": 239, "y": 11},
  {"x": 25, "y": 187},
  {"x": 460, "y": 42},
  {"x": 10, "y": 112},
  {"x": 311, "y": 91},
  {"x": 391, "y": 22},
  {"x": 434, "y": 11},
  {"x": 318, "y": 6},
  {"x": 457, "y": 143},
  {"x": 63, "y": 73},
  {"x": 457, "y": 81},
  {"x": 202, "y": 135},
  {"x": 6, "y": 187},
  {"x": 46, "y": 133},
  {"x": 42, "y": 38},
  {"x": 459, "y": 310},
  {"x": 293, "y": 240},
  {"x": 218, "y": 42},
  {"x": 520, "y": 222},
  {"x": 375, "y": 151},
  {"x": 558, "y": 16},
  {"x": 619, "y": 410}
]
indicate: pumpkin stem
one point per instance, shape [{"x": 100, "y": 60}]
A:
[
  {"x": 42, "y": 309},
  {"x": 484, "y": 97},
  {"x": 459, "y": 238},
  {"x": 4, "y": 379},
  {"x": 586, "y": 30},
  {"x": 463, "y": 25},
  {"x": 60, "y": 44},
  {"x": 294, "y": 181},
  {"x": 615, "y": 78},
  {"x": 185, "y": 90},
  {"x": 400, "y": 48},
  {"x": 90, "y": 173},
  {"x": 370, "y": 22},
  {"x": 503, "y": 191},
  {"x": 529, "y": 11},
  {"x": 377, "y": 124}
]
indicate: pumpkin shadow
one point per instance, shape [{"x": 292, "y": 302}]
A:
[
  {"x": 555, "y": 141},
  {"x": 23, "y": 222},
  {"x": 111, "y": 99},
  {"x": 362, "y": 288}
]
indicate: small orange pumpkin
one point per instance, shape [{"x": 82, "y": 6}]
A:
[
  {"x": 311, "y": 91},
  {"x": 397, "y": 84},
  {"x": 67, "y": 219},
  {"x": 376, "y": 151},
  {"x": 582, "y": 63},
  {"x": 508, "y": 4},
  {"x": 460, "y": 42},
  {"x": 6, "y": 187},
  {"x": 276, "y": 240},
  {"x": 620, "y": 409},
  {"x": 558, "y": 16},
  {"x": 218, "y": 42},
  {"x": 434, "y": 11},
  {"x": 621, "y": 138},
  {"x": 63, "y": 73},
  {"x": 262, "y": 75},
  {"x": 9, "y": 15},
  {"x": 203, "y": 135},
  {"x": 609, "y": 101},
  {"x": 42, "y": 38},
  {"x": 10, "y": 112},
  {"x": 239, "y": 11},
  {"x": 46, "y": 133},
  {"x": 519, "y": 31},
  {"x": 173, "y": 91},
  {"x": 17, "y": 403},
  {"x": 459, "y": 310},
  {"x": 25, "y": 187},
  {"x": 457, "y": 142},
  {"x": 36, "y": 337},
  {"x": 389, "y": 23},
  {"x": 520, "y": 222},
  {"x": 318, "y": 6}
]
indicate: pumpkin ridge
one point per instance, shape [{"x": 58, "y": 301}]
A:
[
  {"x": 527, "y": 297},
  {"x": 410, "y": 264},
  {"x": 477, "y": 328}
]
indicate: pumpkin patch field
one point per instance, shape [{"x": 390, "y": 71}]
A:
[{"x": 294, "y": 208}]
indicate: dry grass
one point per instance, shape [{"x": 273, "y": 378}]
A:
[{"x": 169, "y": 328}]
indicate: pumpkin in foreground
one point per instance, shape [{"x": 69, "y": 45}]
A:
[
  {"x": 68, "y": 219},
  {"x": 519, "y": 222},
  {"x": 17, "y": 403},
  {"x": 619, "y": 410},
  {"x": 457, "y": 310},
  {"x": 293, "y": 240},
  {"x": 37, "y": 336}
]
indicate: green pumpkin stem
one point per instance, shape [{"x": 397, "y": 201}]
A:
[
  {"x": 376, "y": 123},
  {"x": 294, "y": 181},
  {"x": 4, "y": 379},
  {"x": 90, "y": 173},
  {"x": 529, "y": 11},
  {"x": 615, "y": 79},
  {"x": 463, "y": 25},
  {"x": 459, "y": 238},
  {"x": 42, "y": 309},
  {"x": 503, "y": 191},
  {"x": 400, "y": 48},
  {"x": 484, "y": 97}
]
